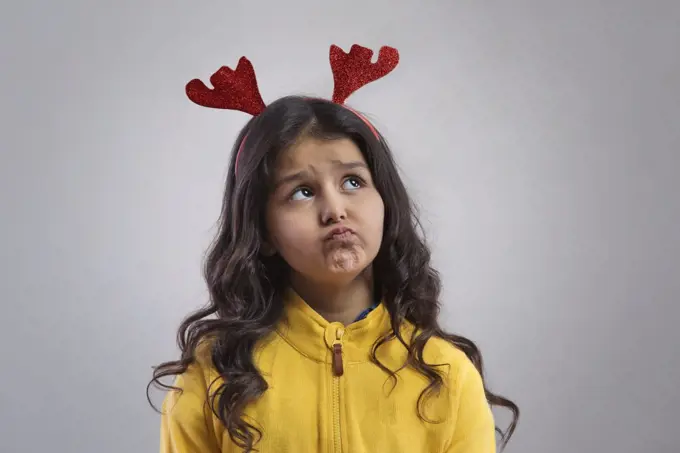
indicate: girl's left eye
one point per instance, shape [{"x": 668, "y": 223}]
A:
[{"x": 352, "y": 183}]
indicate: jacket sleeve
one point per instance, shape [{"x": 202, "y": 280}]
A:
[
  {"x": 186, "y": 418},
  {"x": 474, "y": 430}
]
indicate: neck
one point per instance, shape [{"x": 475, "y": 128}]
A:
[{"x": 337, "y": 303}]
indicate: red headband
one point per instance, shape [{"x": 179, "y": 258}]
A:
[{"x": 237, "y": 89}]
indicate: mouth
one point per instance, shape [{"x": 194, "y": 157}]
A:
[{"x": 339, "y": 233}]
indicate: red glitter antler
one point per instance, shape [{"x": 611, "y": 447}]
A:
[
  {"x": 234, "y": 90},
  {"x": 353, "y": 70}
]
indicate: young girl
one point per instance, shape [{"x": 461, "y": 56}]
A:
[{"x": 321, "y": 334}]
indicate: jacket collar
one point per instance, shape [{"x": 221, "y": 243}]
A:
[{"x": 313, "y": 336}]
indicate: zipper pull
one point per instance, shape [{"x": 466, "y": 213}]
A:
[{"x": 338, "y": 368}]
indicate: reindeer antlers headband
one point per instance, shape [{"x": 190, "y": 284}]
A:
[{"x": 237, "y": 89}]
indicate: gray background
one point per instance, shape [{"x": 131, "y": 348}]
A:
[{"x": 540, "y": 138}]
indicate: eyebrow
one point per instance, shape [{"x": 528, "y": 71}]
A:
[
  {"x": 350, "y": 165},
  {"x": 304, "y": 174},
  {"x": 290, "y": 178}
]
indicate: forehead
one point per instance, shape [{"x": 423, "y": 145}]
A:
[{"x": 318, "y": 154}]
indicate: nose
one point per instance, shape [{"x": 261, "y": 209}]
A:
[{"x": 333, "y": 208}]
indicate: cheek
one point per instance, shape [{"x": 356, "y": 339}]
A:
[
  {"x": 373, "y": 211},
  {"x": 290, "y": 230}
]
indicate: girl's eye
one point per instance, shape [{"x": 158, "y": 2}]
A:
[
  {"x": 301, "y": 193},
  {"x": 352, "y": 183}
]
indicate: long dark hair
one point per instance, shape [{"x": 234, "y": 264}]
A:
[{"x": 246, "y": 287}]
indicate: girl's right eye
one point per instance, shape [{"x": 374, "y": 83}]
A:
[{"x": 301, "y": 193}]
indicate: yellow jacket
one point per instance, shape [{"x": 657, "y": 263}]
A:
[{"x": 326, "y": 396}]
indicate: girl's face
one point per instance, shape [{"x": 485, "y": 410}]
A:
[{"x": 324, "y": 215}]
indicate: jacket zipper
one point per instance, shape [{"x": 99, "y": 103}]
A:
[{"x": 338, "y": 370}]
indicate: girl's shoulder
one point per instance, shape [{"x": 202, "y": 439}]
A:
[
  {"x": 456, "y": 364},
  {"x": 452, "y": 360},
  {"x": 200, "y": 373}
]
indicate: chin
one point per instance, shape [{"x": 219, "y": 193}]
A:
[
  {"x": 344, "y": 269},
  {"x": 337, "y": 267},
  {"x": 346, "y": 261},
  {"x": 339, "y": 276}
]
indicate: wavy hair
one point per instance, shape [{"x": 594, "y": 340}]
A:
[{"x": 246, "y": 287}]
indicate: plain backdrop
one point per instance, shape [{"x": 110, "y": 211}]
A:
[{"x": 541, "y": 140}]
